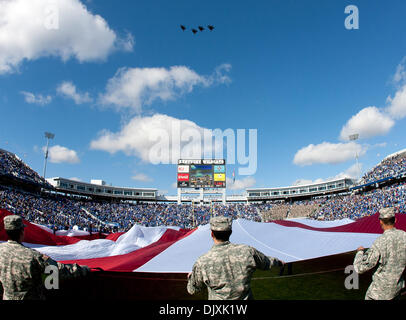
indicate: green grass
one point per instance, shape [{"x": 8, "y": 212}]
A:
[
  {"x": 266, "y": 285},
  {"x": 302, "y": 285},
  {"x": 324, "y": 286}
]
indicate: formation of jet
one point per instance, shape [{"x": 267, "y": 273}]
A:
[{"x": 201, "y": 28}]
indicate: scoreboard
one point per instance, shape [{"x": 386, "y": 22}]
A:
[{"x": 203, "y": 173}]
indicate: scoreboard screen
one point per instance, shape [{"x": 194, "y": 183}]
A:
[{"x": 203, "y": 173}]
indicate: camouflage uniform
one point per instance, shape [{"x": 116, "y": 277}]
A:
[
  {"x": 389, "y": 252},
  {"x": 227, "y": 268},
  {"x": 22, "y": 268}
]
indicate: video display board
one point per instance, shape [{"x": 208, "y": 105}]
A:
[{"x": 203, "y": 173}]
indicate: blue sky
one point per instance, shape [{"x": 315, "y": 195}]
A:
[{"x": 108, "y": 71}]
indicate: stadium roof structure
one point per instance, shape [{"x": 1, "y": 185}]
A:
[
  {"x": 99, "y": 190},
  {"x": 314, "y": 189},
  {"x": 401, "y": 152}
]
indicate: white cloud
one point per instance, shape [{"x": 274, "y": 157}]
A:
[
  {"x": 141, "y": 177},
  {"x": 369, "y": 122},
  {"x": 125, "y": 43},
  {"x": 302, "y": 182},
  {"x": 44, "y": 28},
  {"x": 352, "y": 172},
  {"x": 373, "y": 121},
  {"x": 397, "y": 105},
  {"x": 240, "y": 184},
  {"x": 134, "y": 88},
  {"x": 380, "y": 145},
  {"x": 76, "y": 179},
  {"x": 68, "y": 90},
  {"x": 156, "y": 139},
  {"x": 59, "y": 154},
  {"x": 331, "y": 153},
  {"x": 36, "y": 98},
  {"x": 400, "y": 74}
]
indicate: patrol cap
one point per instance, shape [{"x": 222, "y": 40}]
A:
[
  {"x": 221, "y": 223},
  {"x": 385, "y": 213},
  {"x": 13, "y": 222}
]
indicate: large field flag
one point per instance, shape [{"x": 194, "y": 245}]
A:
[{"x": 171, "y": 249}]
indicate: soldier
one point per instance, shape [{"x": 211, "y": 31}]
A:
[
  {"x": 227, "y": 268},
  {"x": 22, "y": 268},
  {"x": 389, "y": 253}
]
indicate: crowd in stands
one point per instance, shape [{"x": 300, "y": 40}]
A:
[
  {"x": 11, "y": 165},
  {"x": 356, "y": 206},
  {"x": 388, "y": 167},
  {"x": 278, "y": 210},
  {"x": 61, "y": 212}
]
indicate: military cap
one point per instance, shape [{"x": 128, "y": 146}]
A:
[
  {"x": 13, "y": 222},
  {"x": 221, "y": 223},
  {"x": 385, "y": 213}
]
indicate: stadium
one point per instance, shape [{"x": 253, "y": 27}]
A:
[
  {"x": 63, "y": 213},
  {"x": 202, "y": 150}
]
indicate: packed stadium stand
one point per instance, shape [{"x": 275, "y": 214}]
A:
[
  {"x": 392, "y": 166},
  {"x": 297, "y": 209},
  {"x": 24, "y": 192},
  {"x": 13, "y": 169}
]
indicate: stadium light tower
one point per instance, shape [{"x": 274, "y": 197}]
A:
[
  {"x": 48, "y": 136},
  {"x": 354, "y": 137}
]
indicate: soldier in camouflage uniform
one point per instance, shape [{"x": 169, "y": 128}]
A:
[
  {"x": 22, "y": 268},
  {"x": 389, "y": 253},
  {"x": 226, "y": 270}
]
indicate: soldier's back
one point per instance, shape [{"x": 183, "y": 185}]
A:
[
  {"x": 392, "y": 247},
  {"x": 230, "y": 253},
  {"x": 20, "y": 272},
  {"x": 227, "y": 269},
  {"x": 387, "y": 280}
]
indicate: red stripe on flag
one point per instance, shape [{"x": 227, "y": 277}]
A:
[
  {"x": 36, "y": 235},
  {"x": 364, "y": 225},
  {"x": 133, "y": 260}
]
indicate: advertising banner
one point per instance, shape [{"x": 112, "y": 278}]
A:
[
  {"x": 183, "y": 177},
  {"x": 219, "y": 169},
  {"x": 183, "y": 184},
  {"x": 219, "y": 177},
  {"x": 183, "y": 169}
]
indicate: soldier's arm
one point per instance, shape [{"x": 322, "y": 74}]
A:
[
  {"x": 365, "y": 261},
  {"x": 65, "y": 271},
  {"x": 72, "y": 270},
  {"x": 275, "y": 262},
  {"x": 195, "y": 280},
  {"x": 262, "y": 261}
]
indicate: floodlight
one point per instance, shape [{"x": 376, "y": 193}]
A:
[{"x": 48, "y": 135}]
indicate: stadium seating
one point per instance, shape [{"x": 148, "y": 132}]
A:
[
  {"x": 391, "y": 166},
  {"x": 61, "y": 212},
  {"x": 65, "y": 212},
  {"x": 12, "y": 166}
]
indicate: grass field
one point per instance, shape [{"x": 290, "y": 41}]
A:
[
  {"x": 309, "y": 281},
  {"x": 303, "y": 284}
]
